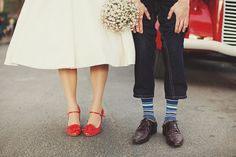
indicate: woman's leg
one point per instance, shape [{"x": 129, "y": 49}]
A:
[
  {"x": 69, "y": 81},
  {"x": 98, "y": 78}
]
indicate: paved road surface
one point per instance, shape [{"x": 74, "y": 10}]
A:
[{"x": 32, "y": 114}]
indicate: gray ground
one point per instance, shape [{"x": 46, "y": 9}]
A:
[{"x": 33, "y": 114}]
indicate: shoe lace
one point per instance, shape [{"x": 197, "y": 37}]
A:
[
  {"x": 174, "y": 129},
  {"x": 143, "y": 125}
]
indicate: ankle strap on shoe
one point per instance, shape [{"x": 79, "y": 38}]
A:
[
  {"x": 74, "y": 111},
  {"x": 101, "y": 114}
]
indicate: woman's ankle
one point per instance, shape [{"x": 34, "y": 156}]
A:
[
  {"x": 96, "y": 108},
  {"x": 72, "y": 107}
]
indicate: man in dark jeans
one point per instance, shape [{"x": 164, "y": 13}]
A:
[{"x": 173, "y": 16}]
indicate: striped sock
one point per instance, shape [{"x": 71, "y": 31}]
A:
[
  {"x": 148, "y": 108},
  {"x": 171, "y": 109}
]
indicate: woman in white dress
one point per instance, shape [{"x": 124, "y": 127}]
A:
[{"x": 67, "y": 35}]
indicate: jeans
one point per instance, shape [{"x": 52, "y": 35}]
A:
[{"x": 175, "y": 82}]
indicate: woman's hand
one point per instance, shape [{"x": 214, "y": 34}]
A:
[
  {"x": 181, "y": 10},
  {"x": 142, "y": 11}
]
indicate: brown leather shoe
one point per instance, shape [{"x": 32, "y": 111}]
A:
[
  {"x": 145, "y": 130},
  {"x": 172, "y": 133}
]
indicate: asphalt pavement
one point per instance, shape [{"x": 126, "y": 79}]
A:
[{"x": 33, "y": 114}]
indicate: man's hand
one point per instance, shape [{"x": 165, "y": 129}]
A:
[
  {"x": 142, "y": 11},
  {"x": 181, "y": 10}
]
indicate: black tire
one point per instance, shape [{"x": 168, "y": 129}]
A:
[{"x": 159, "y": 68}]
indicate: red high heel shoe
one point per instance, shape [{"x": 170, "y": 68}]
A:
[
  {"x": 90, "y": 130},
  {"x": 74, "y": 129}
]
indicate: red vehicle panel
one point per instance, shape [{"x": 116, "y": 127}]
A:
[{"x": 212, "y": 27}]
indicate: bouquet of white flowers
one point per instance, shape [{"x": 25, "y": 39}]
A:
[{"x": 118, "y": 15}]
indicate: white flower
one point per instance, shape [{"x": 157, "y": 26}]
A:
[{"x": 118, "y": 15}]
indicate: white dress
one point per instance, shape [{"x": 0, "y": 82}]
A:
[{"x": 53, "y": 34}]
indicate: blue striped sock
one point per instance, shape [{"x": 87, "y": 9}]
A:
[
  {"x": 171, "y": 109},
  {"x": 148, "y": 108}
]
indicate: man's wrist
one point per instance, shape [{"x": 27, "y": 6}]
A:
[
  {"x": 186, "y": 1},
  {"x": 136, "y": 1}
]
